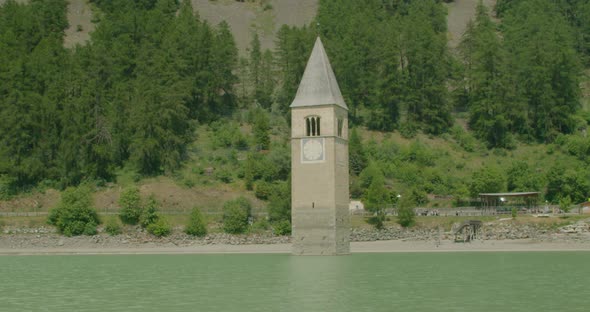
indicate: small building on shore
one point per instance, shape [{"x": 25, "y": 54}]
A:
[{"x": 356, "y": 206}]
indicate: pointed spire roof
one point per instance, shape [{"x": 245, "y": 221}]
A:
[{"x": 318, "y": 85}]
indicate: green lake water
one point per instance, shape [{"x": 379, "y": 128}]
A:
[{"x": 483, "y": 281}]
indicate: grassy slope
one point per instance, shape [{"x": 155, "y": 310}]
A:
[{"x": 245, "y": 18}]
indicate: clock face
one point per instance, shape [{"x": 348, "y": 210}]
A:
[{"x": 313, "y": 149}]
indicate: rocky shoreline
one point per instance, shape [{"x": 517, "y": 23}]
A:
[
  {"x": 47, "y": 237},
  {"x": 491, "y": 231}
]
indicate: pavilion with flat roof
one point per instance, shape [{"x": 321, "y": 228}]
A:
[{"x": 502, "y": 201}]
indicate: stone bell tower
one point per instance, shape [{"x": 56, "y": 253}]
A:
[{"x": 319, "y": 161}]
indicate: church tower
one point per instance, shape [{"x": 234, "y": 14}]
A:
[{"x": 319, "y": 161}]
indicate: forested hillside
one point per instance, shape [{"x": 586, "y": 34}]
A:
[{"x": 159, "y": 91}]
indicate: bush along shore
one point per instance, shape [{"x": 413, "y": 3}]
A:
[{"x": 133, "y": 237}]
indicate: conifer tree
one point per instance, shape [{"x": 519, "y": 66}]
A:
[
  {"x": 255, "y": 61},
  {"x": 426, "y": 68},
  {"x": 485, "y": 65},
  {"x": 388, "y": 95},
  {"x": 261, "y": 130},
  {"x": 225, "y": 61},
  {"x": 545, "y": 66},
  {"x": 261, "y": 76},
  {"x": 293, "y": 49},
  {"x": 357, "y": 156}
]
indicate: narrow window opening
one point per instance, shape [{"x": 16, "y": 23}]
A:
[
  {"x": 313, "y": 127},
  {"x": 340, "y": 125},
  {"x": 312, "y": 204},
  {"x": 308, "y": 127},
  {"x": 318, "y": 126}
]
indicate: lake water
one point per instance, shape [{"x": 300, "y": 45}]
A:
[{"x": 484, "y": 281}]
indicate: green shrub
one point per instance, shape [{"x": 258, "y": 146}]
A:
[
  {"x": 279, "y": 204},
  {"x": 150, "y": 212},
  {"x": 463, "y": 138},
  {"x": 514, "y": 212},
  {"x": 570, "y": 182},
  {"x": 420, "y": 154},
  {"x": 406, "y": 216},
  {"x": 419, "y": 197},
  {"x": 235, "y": 220},
  {"x": 188, "y": 182},
  {"x": 282, "y": 228},
  {"x": 260, "y": 225},
  {"x": 227, "y": 134},
  {"x": 235, "y": 215},
  {"x": 6, "y": 186},
  {"x": 263, "y": 190},
  {"x": 90, "y": 229},
  {"x": 130, "y": 203},
  {"x": 74, "y": 214},
  {"x": 487, "y": 180},
  {"x": 224, "y": 175},
  {"x": 271, "y": 167},
  {"x": 377, "y": 220},
  {"x": 577, "y": 145},
  {"x": 565, "y": 204},
  {"x": 376, "y": 196},
  {"x": 356, "y": 190},
  {"x": 113, "y": 227},
  {"x": 408, "y": 130},
  {"x": 197, "y": 225},
  {"x": 160, "y": 228}
]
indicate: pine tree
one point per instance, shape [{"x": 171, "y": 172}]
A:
[
  {"x": 293, "y": 49},
  {"x": 425, "y": 69},
  {"x": 377, "y": 196},
  {"x": 485, "y": 66},
  {"x": 406, "y": 217},
  {"x": 261, "y": 130},
  {"x": 545, "y": 66},
  {"x": 32, "y": 65},
  {"x": 261, "y": 73},
  {"x": 225, "y": 61},
  {"x": 159, "y": 116},
  {"x": 356, "y": 153},
  {"x": 255, "y": 61},
  {"x": 197, "y": 224}
]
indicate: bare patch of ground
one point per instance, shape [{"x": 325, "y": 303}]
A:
[
  {"x": 37, "y": 202},
  {"x": 80, "y": 19},
  {"x": 246, "y": 18},
  {"x": 460, "y": 12}
]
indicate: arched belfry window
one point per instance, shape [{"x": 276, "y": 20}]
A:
[{"x": 312, "y": 126}]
